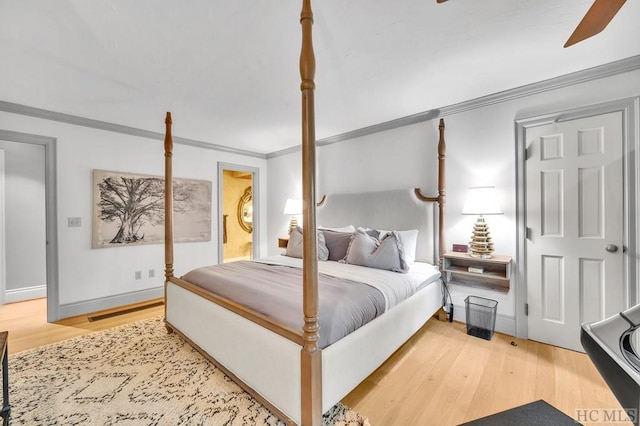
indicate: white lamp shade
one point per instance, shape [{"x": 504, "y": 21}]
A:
[
  {"x": 481, "y": 200},
  {"x": 293, "y": 206}
]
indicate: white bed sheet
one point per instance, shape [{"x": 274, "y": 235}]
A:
[{"x": 395, "y": 286}]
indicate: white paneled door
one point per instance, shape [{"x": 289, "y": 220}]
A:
[{"x": 575, "y": 226}]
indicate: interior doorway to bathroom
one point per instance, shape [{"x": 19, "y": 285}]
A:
[{"x": 238, "y": 212}]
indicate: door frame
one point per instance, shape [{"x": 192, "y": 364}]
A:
[
  {"x": 255, "y": 183},
  {"x": 630, "y": 108},
  {"x": 49, "y": 143},
  {"x": 3, "y": 260}
]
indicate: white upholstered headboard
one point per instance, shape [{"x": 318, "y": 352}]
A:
[{"x": 395, "y": 210}]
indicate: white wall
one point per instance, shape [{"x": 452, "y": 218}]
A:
[
  {"x": 91, "y": 279},
  {"x": 481, "y": 150}
]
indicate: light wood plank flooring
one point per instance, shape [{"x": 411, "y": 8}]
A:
[
  {"x": 28, "y": 327},
  {"x": 441, "y": 376}
]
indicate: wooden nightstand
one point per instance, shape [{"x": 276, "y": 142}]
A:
[
  {"x": 491, "y": 274},
  {"x": 282, "y": 242}
]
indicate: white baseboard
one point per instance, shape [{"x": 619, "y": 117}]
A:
[
  {"x": 506, "y": 325},
  {"x": 26, "y": 293},
  {"x": 94, "y": 305}
]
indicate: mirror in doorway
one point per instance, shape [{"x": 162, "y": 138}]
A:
[
  {"x": 245, "y": 210},
  {"x": 237, "y": 204}
]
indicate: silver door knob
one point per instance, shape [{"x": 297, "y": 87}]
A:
[{"x": 611, "y": 248}]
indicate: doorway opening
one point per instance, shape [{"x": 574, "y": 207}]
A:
[
  {"x": 238, "y": 212},
  {"x": 44, "y": 149}
]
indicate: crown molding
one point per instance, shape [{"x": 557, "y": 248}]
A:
[
  {"x": 582, "y": 76},
  {"x": 600, "y": 71},
  {"x": 117, "y": 128}
]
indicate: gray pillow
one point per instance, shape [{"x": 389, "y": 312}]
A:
[
  {"x": 387, "y": 254},
  {"x": 295, "y": 245},
  {"x": 337, "y": 243},
  {"x": 408, "y": 238}
]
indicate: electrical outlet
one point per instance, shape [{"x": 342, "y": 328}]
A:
[
  {"x": 152, "y": 273},
  {"x": 138, "y": 275}
]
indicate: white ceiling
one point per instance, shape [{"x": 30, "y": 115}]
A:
[{"x": 228, "y": 69}]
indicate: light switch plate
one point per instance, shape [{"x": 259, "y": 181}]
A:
[{"x": 74, "y": 222}]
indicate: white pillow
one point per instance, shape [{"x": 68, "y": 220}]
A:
[
  {"x": 295, "y": 245},
  {"x": 409, "y": 241}
]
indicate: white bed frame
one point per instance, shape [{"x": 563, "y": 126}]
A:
[
  {"x": 284, "y": 368},
  {"x": 268, "y": 363}
]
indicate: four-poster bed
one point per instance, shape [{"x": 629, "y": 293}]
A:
[{"x": 291, "y": 369}]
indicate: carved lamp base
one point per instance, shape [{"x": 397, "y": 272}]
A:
[{"x": 481, "y": 245}]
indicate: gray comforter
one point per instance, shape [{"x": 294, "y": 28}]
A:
[{"x": 276, "y": 291}]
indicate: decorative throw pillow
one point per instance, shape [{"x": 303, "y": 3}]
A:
[
  {"x": 387, "y": 254},
  {"x": 372, "y": 232},
  {"x": 295, "y": 245},
  {"x": 337, "y": 243},
  {"x": 409, "y": 240}
]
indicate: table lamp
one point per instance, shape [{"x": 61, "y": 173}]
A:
[
  {"x": 481, "y": 200},
  {"x": 293, "y": 207}
]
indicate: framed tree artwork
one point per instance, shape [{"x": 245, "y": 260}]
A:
[{"x": 128, "y": 209}]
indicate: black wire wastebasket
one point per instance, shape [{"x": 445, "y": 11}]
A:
[{"x": 481, "y": 316}]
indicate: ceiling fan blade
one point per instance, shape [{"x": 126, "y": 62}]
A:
[
  {"x": 596, "y": 19},
  {"x": 441, "y": 1}
]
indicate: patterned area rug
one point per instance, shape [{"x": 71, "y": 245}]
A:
[{"x": 136, "y": 374}]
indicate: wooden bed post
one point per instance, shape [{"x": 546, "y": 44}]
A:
[
  {"x": 441, "y": 198},
  {"x": 168, "y": 208},
  {"x": 442, "y": 151},
  {"x": 310, "y": 358}
]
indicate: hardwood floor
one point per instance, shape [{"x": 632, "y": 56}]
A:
[
  {"x": 28, "y": 327},
  {"x": 441, "y": 376},
  {"x": 444, "y": 376}
]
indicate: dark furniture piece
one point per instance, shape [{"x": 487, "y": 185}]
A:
[
  {"x": 6, "y": 408},
  {"x": 538, "y": 413},
  {"x": 612, "y": 345}
]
